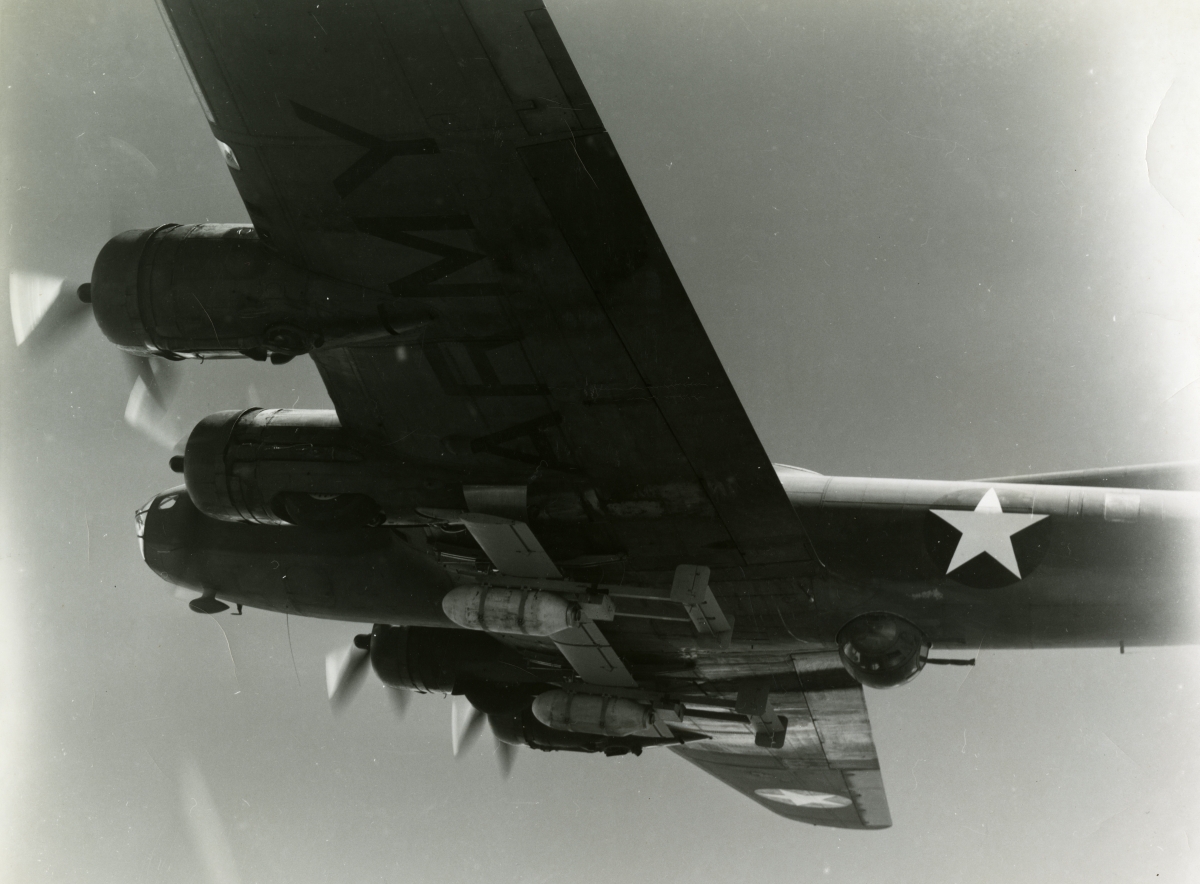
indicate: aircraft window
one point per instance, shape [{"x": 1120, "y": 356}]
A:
[
  {"x": 166, "y": 503},
  {"x": 227, "y": 153},
  {"x": 139, "y": 522}
]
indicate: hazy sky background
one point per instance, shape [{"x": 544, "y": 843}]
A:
[{"x": 926, "y": 241}]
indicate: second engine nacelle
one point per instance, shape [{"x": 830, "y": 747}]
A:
[
  {"x": 284, "y": 466},
  {"x": 427, "y": 660}
]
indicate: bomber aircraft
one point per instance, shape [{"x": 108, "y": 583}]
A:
[{"x": 538, "y": 482}]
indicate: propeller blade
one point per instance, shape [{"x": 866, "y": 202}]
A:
[
  {"x": 344, "y": 674},
  {"x": 144, "y": 414},
  {"x": 42, "y": 303},
  {"x": 125, "y": 176},
  {"x": 506, "y": 754},
  {"x": 209, "y": 833},
  {"x": 399, "y": 698},
  {"x": 146, "y": 410},
  {"x": 160, "y": 377},
  {"x": 466, "y": 723}
]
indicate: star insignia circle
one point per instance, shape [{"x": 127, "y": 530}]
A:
[{"x": 992, "y": 544}]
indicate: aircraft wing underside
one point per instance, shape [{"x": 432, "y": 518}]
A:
[{"x": 447, "y": 152}]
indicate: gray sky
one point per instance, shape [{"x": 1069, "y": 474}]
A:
[{"x": 926, "y": 242}]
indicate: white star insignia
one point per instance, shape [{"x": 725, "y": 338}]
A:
[{"x": 987, "y": 529}]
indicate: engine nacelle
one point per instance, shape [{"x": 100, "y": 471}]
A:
[
  {"x": 285, "y": 466},
  {"x": 510, "y": 611},
  {"x": 882, "y": 650},
  {"x": 427, "y": 660},
  {"x": 215, "y": 290},
  {"x": 591, "y": 714}
]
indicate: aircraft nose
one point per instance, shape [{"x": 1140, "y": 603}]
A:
[{"x": 160, "y": 522}]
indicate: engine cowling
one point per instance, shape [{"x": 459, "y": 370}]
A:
[
  {"x": 216, "y": 291},
  {"x": 285, "y": 466},
  {"x": 882, "y": 650},
  {"x": 427, "y": 660}
]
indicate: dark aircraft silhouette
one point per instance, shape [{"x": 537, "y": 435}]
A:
[{"x": 538, "y": 483}]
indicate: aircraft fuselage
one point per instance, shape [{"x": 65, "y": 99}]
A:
[
  {"x": 1082, "y": 566},
  {"x": 972, "y": 564}
]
